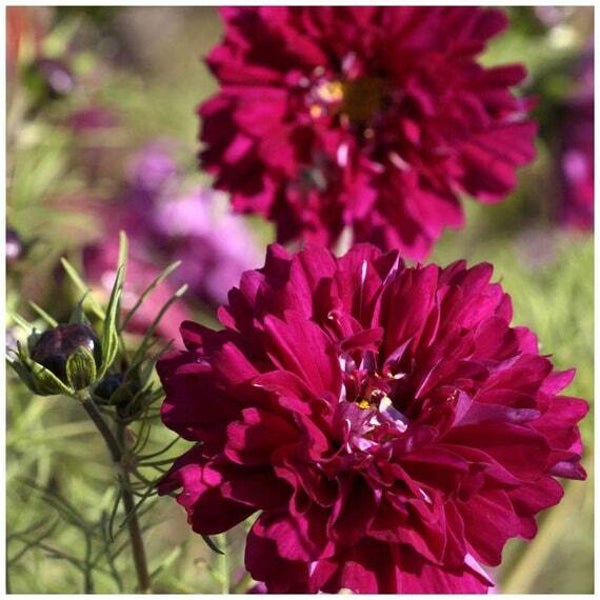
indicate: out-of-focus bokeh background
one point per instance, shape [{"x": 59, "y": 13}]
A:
[{"x": 102, "y": 134}]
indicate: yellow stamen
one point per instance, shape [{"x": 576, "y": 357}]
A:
[
  {"x": 356, "y": 100},
  {"x": 316, "y": 111},
  {"x": 331, "y": 91}
]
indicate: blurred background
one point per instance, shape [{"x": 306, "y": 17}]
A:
[{"x": 102, "y": 134}]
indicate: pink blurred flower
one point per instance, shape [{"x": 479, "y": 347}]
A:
[
  {"x": 100, "y": 263},
  {"x": 92, "y": 118},
  {"x": 551, "y": 16},
  {"x": 371, "y": 118},
  {"x": 389, "y": 425}
]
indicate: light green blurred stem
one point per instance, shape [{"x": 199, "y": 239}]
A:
[
  {"x": 551, "y": 533},
  {"x": 88, "y": 581},
  {"x": 223, "y": 563}
]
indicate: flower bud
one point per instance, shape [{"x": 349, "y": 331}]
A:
[
  {"x": 71, "y": 352},
  {"x": 105, "y": 389}
]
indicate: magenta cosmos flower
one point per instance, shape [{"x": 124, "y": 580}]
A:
[
  {"x": 387, "y": 423},
  {"x": 367, "y": 118}
]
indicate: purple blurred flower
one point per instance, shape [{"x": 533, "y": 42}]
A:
[
  {"x": 191, "y": 225},
  {"x": 577, "y": 151},
  {"x": 165, "y": 222},
  {"x": 151, "y": 170},
  {"x": 214, "y": 248}
]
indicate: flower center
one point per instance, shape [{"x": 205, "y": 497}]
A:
[
  {"x": 370, "y": 391},
  {"x": 362, "y": 98},
  {"x": 372, "y": 398},
  {"x": 355, "y": 100}
]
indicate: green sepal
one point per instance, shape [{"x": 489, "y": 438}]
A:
[
  {"x": 79, "y": 317},
  {"x": 81, "y": 369},
  {"x": 37, "y": 378},
  {"x": 24, "y": 374},
  {"x": 122, "y": 395},
  {"x": 211, "y": 544},
  {"x": 46, "y": 382}
]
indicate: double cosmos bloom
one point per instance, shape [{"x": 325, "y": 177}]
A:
[
  {"x": 371, "y": 120},
  {"x": 388, "y": 425}
]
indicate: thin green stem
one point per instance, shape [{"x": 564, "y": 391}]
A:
[
  {"x": 115, "y": 445},
  {"x": 135, "y": 534},
  {"x": 88, "y": 582},
  {"x": 223, "y": 563},
  {"x": 112, "y": 444}
]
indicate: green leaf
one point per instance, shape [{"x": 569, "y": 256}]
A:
[
  {"x": 110, "y": 332},
  {"x": 81, "y": 369},
  {"x": 156, "y": 282},
  {"x": 22, "y": 323},
  {"x": 143, "y": 347},
  {"x": 123, "y": 250},
  {"x": 81, "y": 285},
  {"x": 42, "y": 313}
]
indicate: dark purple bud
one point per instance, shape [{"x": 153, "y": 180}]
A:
[
  {"x": 54, "y": 347},
  {"x": 108, "y": 386}
]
